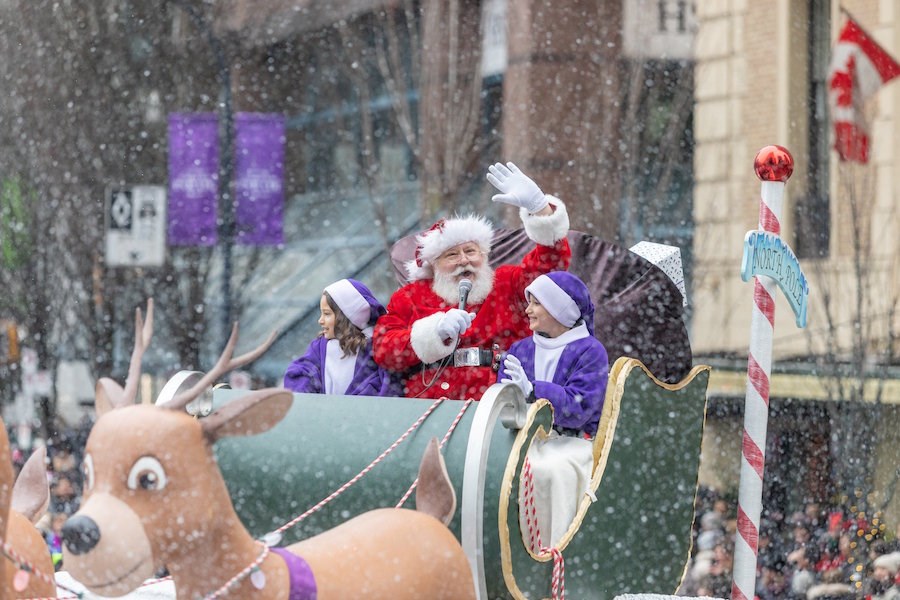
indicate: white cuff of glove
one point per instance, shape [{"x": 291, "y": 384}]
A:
[
  {"x": 546, "y": 230},
  {"x": 425, "y": 340}
]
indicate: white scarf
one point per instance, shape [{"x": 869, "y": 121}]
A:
[
  {"x": 338, "y": 369},
  {"x": 548, "y": 350}
]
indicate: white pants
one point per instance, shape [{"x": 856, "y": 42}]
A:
[{"x": 561, "y": 474}]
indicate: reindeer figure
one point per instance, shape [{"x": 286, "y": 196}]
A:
[
  {"x": 155, "y": 497},
  {"x": 21, "y": 505}
]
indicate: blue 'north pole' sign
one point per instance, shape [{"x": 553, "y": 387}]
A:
[{"x": 766, "y": 254}]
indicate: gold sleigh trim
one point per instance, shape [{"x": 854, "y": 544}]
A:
[{"x": 609, "y": 418}]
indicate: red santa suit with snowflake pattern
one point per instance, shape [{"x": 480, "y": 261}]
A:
[{"x": 406, "y": 338}]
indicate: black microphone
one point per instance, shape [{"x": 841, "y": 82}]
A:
[{"x": 465, "y": 286}]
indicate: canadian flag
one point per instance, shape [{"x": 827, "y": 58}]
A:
[{"x": 859, "y": 66}]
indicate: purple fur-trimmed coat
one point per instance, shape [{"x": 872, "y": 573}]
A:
[
  {"x": 581, "y": 373},
  {"x": 306, "y": 374}
]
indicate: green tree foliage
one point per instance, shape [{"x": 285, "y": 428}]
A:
[{"x": 15, "y": 242}]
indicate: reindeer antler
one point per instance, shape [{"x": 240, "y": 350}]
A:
[
  {"x": 109, "y": 394},
  {"x": 225, "y": 364},
  {"x": 143, "y": 333}
]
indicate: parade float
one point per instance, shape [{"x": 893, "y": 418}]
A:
[
  {"x": 336, "y": 457},
  {"x": 315, "y": 465},
  {"x": 301, "y": 468},
  {"x": 252, "y": 471}
]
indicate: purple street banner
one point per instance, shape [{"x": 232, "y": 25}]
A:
[
  {"x": 193, "y": 179},
  {"x": 259, "y": 176}
]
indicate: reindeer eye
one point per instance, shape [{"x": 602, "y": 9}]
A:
[
  {"x": 88, "y": 467},
  {"x": 147, "y": 473}
]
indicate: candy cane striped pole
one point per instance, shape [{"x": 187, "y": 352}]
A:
[{"x": 773, "y": 166}]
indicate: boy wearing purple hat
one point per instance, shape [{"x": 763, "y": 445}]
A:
[
  {"x": 564, "y": 363},
  {"x": 339, "y": 360}
]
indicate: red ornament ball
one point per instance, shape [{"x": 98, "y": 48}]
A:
[{"x": 773, "y": 163}]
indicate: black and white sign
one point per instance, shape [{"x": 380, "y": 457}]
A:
[
  {"x": 121, "y": 208},
  {"x": 136, "y": 226}
]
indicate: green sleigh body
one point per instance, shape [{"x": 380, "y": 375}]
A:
[{"x": 635, "y": 537}]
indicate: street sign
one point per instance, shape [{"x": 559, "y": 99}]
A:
[
  {"x": 766, "y": 254},
  {"x": 136, "y": 226}
]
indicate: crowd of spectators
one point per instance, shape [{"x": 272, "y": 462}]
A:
[
  {"x": 816, "y": 553},
  {"x": 65, "y": 451}
]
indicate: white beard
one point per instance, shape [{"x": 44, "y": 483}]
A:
[{"x": 446, "y": 286}]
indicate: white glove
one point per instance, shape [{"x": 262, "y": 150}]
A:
[
  {"x": 518, "y": 189},
  {"x": 453, "y": 323},
  {"x": 515, "y": 373}
]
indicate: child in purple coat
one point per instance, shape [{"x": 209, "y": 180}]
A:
[
  {"x": 339, "y": 360},
  {"x": 564, "y": 363}
]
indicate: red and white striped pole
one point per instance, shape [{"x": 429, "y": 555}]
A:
[{"x": 773, "y": 166}]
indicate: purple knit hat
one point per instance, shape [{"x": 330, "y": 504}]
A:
[
  {"x": 356, "y": 301},
  {"x": 565, "y": 297}
]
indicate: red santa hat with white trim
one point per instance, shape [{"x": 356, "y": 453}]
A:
[{"x": 442, "y": 236}]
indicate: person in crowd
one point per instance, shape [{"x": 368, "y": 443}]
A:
[
  {"x": 802, "y": 530},
  {"x": 65, "y": 460},
  {"x": 772, "y": 583},
  {"x": 339, "y": 360},
  {"x": 800, "y": 570},
  {"x": 839, "y": 559},
  {"x": 833, "y": 586},
  {"x": 564, "y": 363},
  {"x": 54, "y": 539},
  {"x": 816, "y": 518},
  {"x": 64, "y": 497},
  {"x": 712, "y": 531},
  {"x": 445, "y": 340},
  {"x": 884, "y": 583},
  {"x": 721, "y": 507},
  {"x": 767, "y": 545},
  {"x": 720, "y": 571}
]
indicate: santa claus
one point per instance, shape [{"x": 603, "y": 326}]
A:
[{"x": 444, "y": 349}]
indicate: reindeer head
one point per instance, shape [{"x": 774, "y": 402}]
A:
[
  {"x": 153, "y": 494},
  {"x": 21, "y": 505}
]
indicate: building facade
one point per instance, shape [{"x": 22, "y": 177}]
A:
[{"x": 761, "y": 79}]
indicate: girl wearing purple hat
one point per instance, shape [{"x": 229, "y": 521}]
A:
[
  {"x": 564, "y": 363},
  {"x": 339, "y": 360}
]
